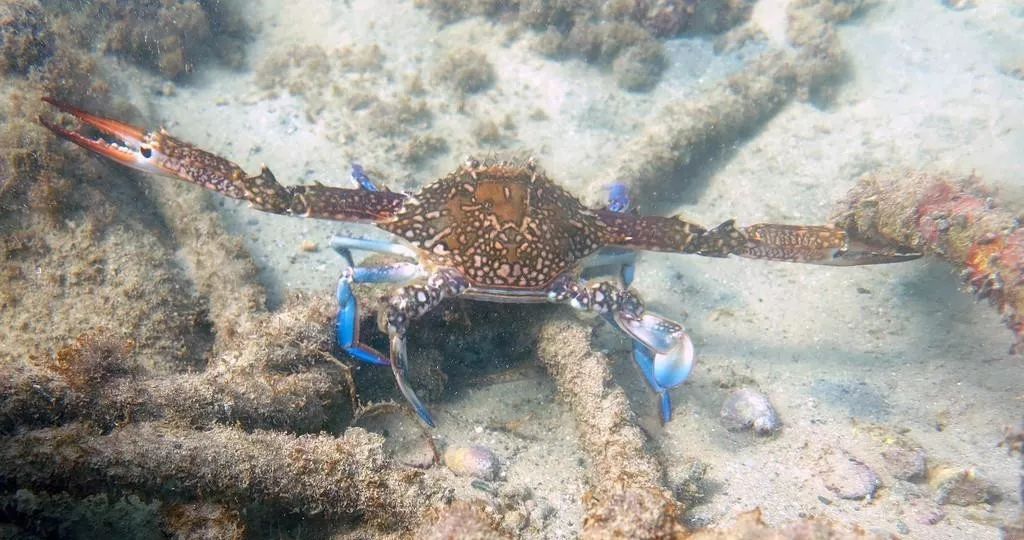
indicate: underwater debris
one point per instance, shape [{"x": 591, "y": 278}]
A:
[
  {"x": 29, "y": 514},
  {"x": 95, "y": 358},
  {"x": 307, "y": 474},
  {"x": 848, "y": 477},
  {"x": 680, "y": 135},
  {"x": 170, "y": 36},
  {"x": 954, "y": 217},
  {"x": 749, "y": 525},
  {"x": 624, "y": 34},
  {"x": 961, "y": 486},
  {"x": 627, "y": 498},
  {"x": 465, "y": 70},
  {"x": 463, "y": 521},
  {"x": 273, "y": 377},
  {"x": 203, "y": 520},
  {"x": 220, "y": 267}
]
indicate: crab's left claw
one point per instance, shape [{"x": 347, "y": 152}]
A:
[{"x": 662, "y": 349}]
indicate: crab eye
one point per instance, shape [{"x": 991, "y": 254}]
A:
[{"x": 146, "y": 151}]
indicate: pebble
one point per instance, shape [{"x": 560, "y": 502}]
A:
[
  {"x": 420, "y": 456},
  {"x": 962, "y": 487},
  {"x": 749, "y": 409},
  {"x": 850, "y": 478},
  {"x": 903, "y": 463},
  {"x": 475, "y": 461}
]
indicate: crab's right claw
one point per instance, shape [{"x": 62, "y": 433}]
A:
[
  {"x": 156, "y": 152},
  {"x": 118, "y": 141},
  {"x": 663, "y": 351}
]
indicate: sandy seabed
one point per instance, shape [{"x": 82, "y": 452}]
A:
[{"x": 857, "y": 361}]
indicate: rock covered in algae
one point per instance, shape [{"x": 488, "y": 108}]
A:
[
  {"x": 25, "y": 39},
  {"x": 476, "y": 461},
  {"x": 961, "y": 487}
]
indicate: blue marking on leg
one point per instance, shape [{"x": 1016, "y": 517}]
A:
[
  {"x": 644, "y": 358},
  {"x": 618, "y": 198},
  {"x": 347, "y": 324},
  {"x": 359, "y": 175},
  {"x": 626, "y": 273}
]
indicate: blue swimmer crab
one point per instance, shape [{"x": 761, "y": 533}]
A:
[{"x": 490, "y": 231}]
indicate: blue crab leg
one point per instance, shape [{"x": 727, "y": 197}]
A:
[
  {"x": 342, "y": 244},
  {"x": 620, "y": 202},
  {"x": 618, "y": 198},
  {"x": 409, "y": 303},
  {"x": 347, "y": 324},
  {"x": 661, "y": 347},
  {"x": 621, "y": 259},
  {"x": 359, "y": 175},
  {"x": 663, "y": 351},
  {"x": 808, "y": 244}
]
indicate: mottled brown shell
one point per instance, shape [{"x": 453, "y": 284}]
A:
[{"x": 503, "y": 225}]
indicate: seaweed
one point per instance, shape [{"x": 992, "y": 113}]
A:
[
  {"x": 623, "y": 35},
  {"x": 679, "y": 138}
]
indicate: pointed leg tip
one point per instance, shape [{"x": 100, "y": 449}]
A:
[
  {"x": 666, "y": 407},
  {"x": 427, "y": 419}
]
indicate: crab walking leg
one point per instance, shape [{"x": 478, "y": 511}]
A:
[
  {"x": 810, "y": 244},
  {"x": 661, "y": 347},
  {"x": 619, "y": 261},
  {"x": 347, "y": 324},
  {"x": 409, "y": 303}
]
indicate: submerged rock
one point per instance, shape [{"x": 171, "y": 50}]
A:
[
  {"x": 749, "y": 409},
  {"x": 850, "y": 478},
  {"x": 904, "y": 463},
  {"x": 475, "y": 461},
  {"x": 962, "y": 487}
]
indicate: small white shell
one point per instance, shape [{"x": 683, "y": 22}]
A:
[
  {"x": 749, "y": 409},
  {"x": 475, "y": 461}
]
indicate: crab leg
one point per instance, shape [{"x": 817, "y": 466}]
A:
[
  {"x": 661, "y": 347},
  {"x": 156, "y": 152},
  {"x": 409, "y": 303},
  {"x": 347, "y": 323},
  {"x": 811, "y": 244}
]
